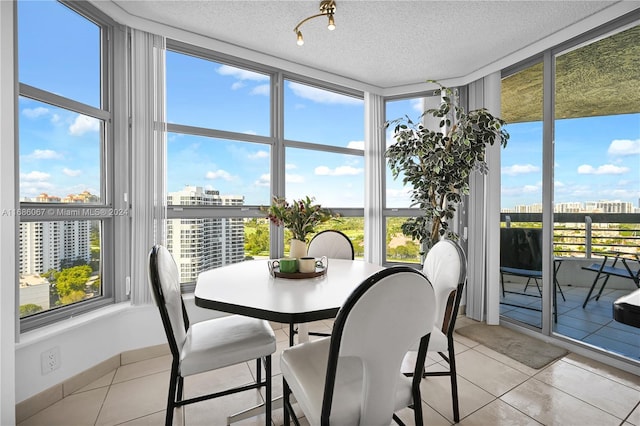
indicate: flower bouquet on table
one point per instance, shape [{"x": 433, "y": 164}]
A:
[{"x": 300, "y": 217}]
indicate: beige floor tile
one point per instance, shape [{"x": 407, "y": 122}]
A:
[
  {"x": 488, "y": 373},
  {"x": 216, "y": 411},
  {"x": 634, "y": 417},
  {"x": 75, "y": 410},
  {"x": 599, "y": 391},
  {"x": 154, "y": 419},
  {"x": 134, "y": 399},
  {"x": 436, "y": 392},
  {"x": 612, "y": 373},
  {"x": 142, "y": 368},
  {"x": 498, "y": 413},
  {"x": 103, "y": 381},
  {"x": 217, "y": 380},
  {"x": 551, "y": 406},
  {"x": 429, "y": 416}
]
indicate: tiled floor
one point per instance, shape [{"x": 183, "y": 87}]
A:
[
  {"x": 494, "y": 390},
  {"x": 593, "y": 324}
]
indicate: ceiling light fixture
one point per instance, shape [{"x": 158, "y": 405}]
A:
[{"x": 327, "y": 8}]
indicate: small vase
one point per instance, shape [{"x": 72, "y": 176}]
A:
[{"x": 297, "y": 249}]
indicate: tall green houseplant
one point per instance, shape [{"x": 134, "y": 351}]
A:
[{"x": 437, "y": 163}]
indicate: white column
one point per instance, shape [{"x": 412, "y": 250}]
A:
[
  {"x": 374, "y": 148},
  {"x": 8, "y": 223}
]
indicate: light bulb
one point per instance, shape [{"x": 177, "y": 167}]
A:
[
  {"x": 332, "y": 24},
  {"x": 300, "y": 39}
]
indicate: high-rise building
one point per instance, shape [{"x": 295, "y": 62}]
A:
[
  {"x": 204, "y": 243},
  {"x": 45, "y": 245}
]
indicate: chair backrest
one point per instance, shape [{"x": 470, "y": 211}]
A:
[
  {"x": 377, "y": 324},
  {"x": 165, "y": 283},
  {"x": 446, "y": 268},
  {"x": 330, "y": 243}
]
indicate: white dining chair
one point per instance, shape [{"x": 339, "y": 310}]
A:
[
  {"x": 206, "y": 345},
  {"x": 354, "y": 377},
  {"x": 446, "y": 268},
  {"x": 331, "y": 243}
]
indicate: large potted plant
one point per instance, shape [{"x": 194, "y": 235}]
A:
[
  {"x": 437, "y": 163},
  {"x": 300, "y": 217}
]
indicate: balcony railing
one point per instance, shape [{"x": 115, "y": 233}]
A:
[{"x": 585, "y": 235}]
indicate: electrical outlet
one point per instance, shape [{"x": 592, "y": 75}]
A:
[{"x": 50, "y": 360}]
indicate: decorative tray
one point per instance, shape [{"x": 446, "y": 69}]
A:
[
  {"x": 321, "y": 269},
  {"x": 298, "y": 275}
]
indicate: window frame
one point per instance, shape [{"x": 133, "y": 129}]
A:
[{"x": 108, "y": 178}]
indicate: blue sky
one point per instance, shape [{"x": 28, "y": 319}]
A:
[{"x": 596, "y": 158}]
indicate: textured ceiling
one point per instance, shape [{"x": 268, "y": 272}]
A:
[{"x": 381, "y": 43}]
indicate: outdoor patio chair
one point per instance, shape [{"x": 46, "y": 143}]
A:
[{"x": 624, "y": 269}]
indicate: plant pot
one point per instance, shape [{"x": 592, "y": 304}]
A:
[{"x": 297, "y": 248}]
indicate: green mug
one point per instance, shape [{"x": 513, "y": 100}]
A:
[{"x": 288, "y": 265}]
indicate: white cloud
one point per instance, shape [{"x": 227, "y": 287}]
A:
[
  {"x": 322, "y": 96},
  {"x": 530, "y": 189},
  {"x": 241, "y": 74},
  {"x": 290, "y": 166},
  {"x": 605, "y": 169},
  {"x": 263, "y": 180},
  {"x": 259, "y": 154},
  {"x": 237, "y": 85},
  {"x": 291, "y": 178},
  {"x": 219, "y": 174},
  {"x": 519, "y": 169},
  {"x": 71, "y": 173},
  {"x": 262, "y": 89},
  {"x": 624, "y": 147},
  {"x": 338, "y": 171},
  {"x": 34, "y": 175},
  {"x": 250, "y": 132},
  {"x": 356, "y": 145},
  {"x": 35, "y": 112},
  {"x": 44, "y": 154},
  {"x": 416, "y": 105},
  {"x": 84, "y": 124}
]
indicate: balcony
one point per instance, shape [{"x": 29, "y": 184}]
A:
[{"x": 579, "y": 241}]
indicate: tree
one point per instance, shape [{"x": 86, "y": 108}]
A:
[
  {"x": 29, "y": 309},
  {"x": 72, "y": 279},
  {"x": 437, "y": 163}
]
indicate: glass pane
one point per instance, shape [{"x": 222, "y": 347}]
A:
[
  {"x": 60, "y": 153},
  {"x": 59, "y": 51},
  {"x": 521, "y": 193},
  {"x": 232, "y": 168},
  {"x": 321, "y": 116},
  {"x": 597, "y": 153},
  {"x": 401, "y": 248},
  {"x": 208, "y": 94},
  {"x": 397, "y": 194},
  {"x": 204, "y": 243},
  {"x": 59, "y": 264},
  {"x": 352, "y": 227},
  {"x": 334, "y": 180}
]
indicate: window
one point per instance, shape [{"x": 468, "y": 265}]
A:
[
  {"x": 322, "y": 116},
  {"x": 218, "y": 161},
  {"x": 324, "y": 154},
  {"x": 399, "y": 247},
  {"x": 65, "y": 144}
]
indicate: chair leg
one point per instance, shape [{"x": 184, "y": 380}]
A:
[
  {"x": 454, "y": 384},
  {"x": 267, "y": 403},
  {"x": 285, "y": 402},
  {"x": 258, "y": 371},
  {"x": 174, "y": 382}
]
